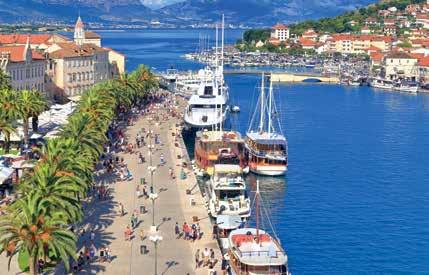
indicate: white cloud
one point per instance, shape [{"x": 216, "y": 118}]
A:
[{"x": 154, "y": 4}]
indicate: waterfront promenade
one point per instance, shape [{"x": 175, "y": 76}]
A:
[{"x": 103, "y": 218}]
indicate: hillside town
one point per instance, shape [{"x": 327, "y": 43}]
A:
[
  {"x": 56, "y": 65},
  {"x": 395, "y": 43}
]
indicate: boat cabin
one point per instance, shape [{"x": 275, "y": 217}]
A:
[
  {"x": 254, "y": 251},
  {"x": 218, "y": 147}
]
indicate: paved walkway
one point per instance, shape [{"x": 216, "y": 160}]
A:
[{"x": 175, "y": 256}]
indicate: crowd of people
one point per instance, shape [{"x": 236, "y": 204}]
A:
[{"x": 115, "y": 167}]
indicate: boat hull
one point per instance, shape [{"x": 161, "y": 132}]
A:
[{"x": 268, "y": 170}]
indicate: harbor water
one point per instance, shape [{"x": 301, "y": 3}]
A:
[{"x": 356, "y": 196}]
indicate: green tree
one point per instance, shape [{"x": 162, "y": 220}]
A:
[
  {"x": 28, "y": 228},
  {"x": 30, "y": 104}
]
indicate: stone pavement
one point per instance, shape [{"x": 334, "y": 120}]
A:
[{"x": 175, "y": 256}]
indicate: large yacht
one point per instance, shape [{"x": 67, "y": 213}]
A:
[
  {"x": 227, "y": 192},
  {"x": 265, "y": 144},
  {"x": 208, "y": 107}
]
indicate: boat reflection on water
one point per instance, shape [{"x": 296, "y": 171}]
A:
[{"x": 272, "y": 188}]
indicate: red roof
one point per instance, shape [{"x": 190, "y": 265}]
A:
[
  {"x": 280, "y": 27},
  {"x": 424, "y": 62},
  {"x": 373, "y": 49},
  {"x": 370, "y": 37},
  {"x": 22, "y": 38},
  {"x": 376, "y": 56},
  {"x": 307, "y": 42},
  {"x": 17, "y": 53},
  {"x": 274, "y": 41}
]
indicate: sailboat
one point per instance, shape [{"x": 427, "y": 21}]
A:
[
  {"x": 254, "y": 251},
  {"x": 208, "y": 106},
  {"x": 265, "y": 144}
]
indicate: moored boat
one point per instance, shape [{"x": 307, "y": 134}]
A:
[
  {"x": 227, "y": 193},
  {"x": 254, "y": 251},
  {"x": 218, "y": 147},
  {"x": 265, "y": 144},
  {"x": 381, "y": 83}
]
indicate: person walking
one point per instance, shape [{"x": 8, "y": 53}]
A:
[
  {"x": 177, "y": 230},
  {"x": 197, "y": 259},
  {"x": 92, "y": 235},
  {"x": 206, "y": 255},
  {"x": 121, "y": 209}
]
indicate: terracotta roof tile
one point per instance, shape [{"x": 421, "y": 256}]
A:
[
  {"x": 424, "y": 62},
  {"x": 17, "y": 53},
  {"x": 280, "y": 27}
]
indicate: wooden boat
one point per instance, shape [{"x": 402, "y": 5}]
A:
[
  {"x": 219, "y": 147},
  {"x": 253, "y": 251},
  {"x": 266, "y": 146}
]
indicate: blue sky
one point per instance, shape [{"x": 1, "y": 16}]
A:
[{"x": 158, "y": 3}]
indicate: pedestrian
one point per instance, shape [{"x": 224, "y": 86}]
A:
[
  {"x": 170, "y": 171},
  {"x": 142, "y": 235},
  {"x": 215, "y": 231},
  {"x": 127, "y": 233},
  {"x": 224, "y": 265},
  {"x": 198, "y": 228},
  {"x": 162, "y": 159},
  {"x": 177, "y": 230},
  {"x": 138, "y": 191},
  {"x": 107, "y": 252},
  {"x": 206, "y": 255},
  {"x": 197, "y": 259},
  {"x": 121, "y": 209},
  {"x": 132, "y": 221},
  {"x": 102, "y": 254},
  {"x": 212, "y": 256},
  {"x": 92, "y": 235},
  {"x": 185, "y": 230}
]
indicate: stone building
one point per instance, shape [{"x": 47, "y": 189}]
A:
[{"x": 26, "y": 67}]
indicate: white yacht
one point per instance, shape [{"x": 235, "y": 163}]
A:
[
  {"x": 407, "y": 87},
  {"x": 381, "y": 83},
  {"x": 227, "y": 194},
  {"x": 208, "y": 107}
]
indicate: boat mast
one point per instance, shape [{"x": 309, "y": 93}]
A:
[
  {"x": 257, "y": 211},
  {"x": 221, "y": 72},
  {"x": 261, "y": 121},
  {"x": 270, "y": 102},
  {"x": 217, "y": 67}
]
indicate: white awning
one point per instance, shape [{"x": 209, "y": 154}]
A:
[{"x": 5, "y": 173}]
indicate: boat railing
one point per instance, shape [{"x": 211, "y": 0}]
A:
[{"x": 260, "y": 253}]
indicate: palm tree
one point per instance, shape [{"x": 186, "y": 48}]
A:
[
  {"x": 4, "y": 80},
  {"x": 58, "y": 188},
  {"x": 28, "y": 228},
  {"x": 30, "y": 103},
  {"x": 9, "y": 109},
  {"x": 86, "y": 131},
  {"x": 6, "y": 128}
]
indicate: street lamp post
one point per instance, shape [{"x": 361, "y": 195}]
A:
[
  {"x": 153, "y": 195},
  {"x": 155, "y": 238}
]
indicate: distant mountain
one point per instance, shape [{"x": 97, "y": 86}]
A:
[
  {"x": 260, "y": 12},
  {"x": 248, "y": 12},
  {"x": 67, "y": 10}
]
